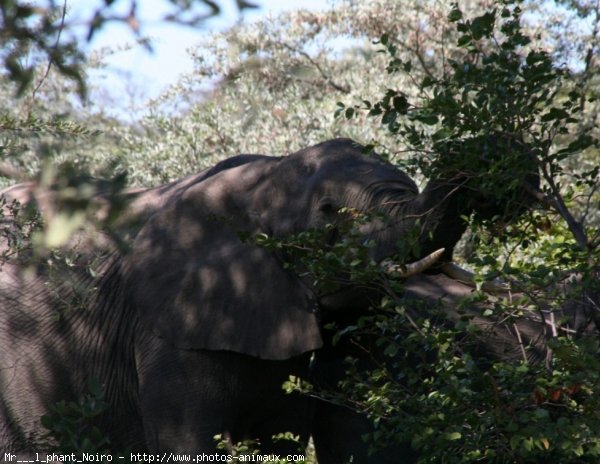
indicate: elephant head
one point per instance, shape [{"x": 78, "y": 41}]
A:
[{"x": 199, "y": 284}]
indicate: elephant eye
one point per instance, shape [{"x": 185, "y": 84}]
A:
[{"x": 328, "y": 206}]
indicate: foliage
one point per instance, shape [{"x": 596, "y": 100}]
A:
[
  {"x": 40, "y": 30},
  {"x": 436, "y": 384},
  {"x": 269, "y": 87},
  {"x": 334, "y": 256},
  {"x": 249, "y": 450},
  {"x": 17, "y": 233},
  {"x": 71, "y": 424},
  {"x": 438, "y": 391},
  {"x": 501, "y": 88},
  {"x": 30, "y": 141},
  {"x": 498, "y": 88}
]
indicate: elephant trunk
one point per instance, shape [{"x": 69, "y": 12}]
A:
[{"x": 422, "y": 223}]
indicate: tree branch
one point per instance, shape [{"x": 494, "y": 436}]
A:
[
  {"x": 557, "y": 203},
  {"x": 336, "y": 86},
  {"x": 50, "y": 55}
]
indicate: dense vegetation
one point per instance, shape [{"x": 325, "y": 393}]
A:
[{"x": 412, "y": 80}]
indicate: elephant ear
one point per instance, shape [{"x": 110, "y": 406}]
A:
[{"x": 196, "y": 283}]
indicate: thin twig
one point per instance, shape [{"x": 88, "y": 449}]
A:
[
  {"x": 51, "y": 58},
  {"x": 336, "y": 86},
  {"x": 520, "y": 340},
  {"x": 589, "y": 201},
  {"x": 417, "y": 51}
]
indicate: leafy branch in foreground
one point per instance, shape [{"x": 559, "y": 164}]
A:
[{"x": 44, "y": 31}]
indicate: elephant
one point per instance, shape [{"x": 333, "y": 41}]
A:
[{"x": 193, "y": 326}]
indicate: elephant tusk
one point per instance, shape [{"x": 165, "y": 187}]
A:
[
  {"x": 410, "y": 269},
  {"x": 456, "y": 272}
]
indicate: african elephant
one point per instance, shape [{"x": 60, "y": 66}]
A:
[{"x": 193, "y": 327}]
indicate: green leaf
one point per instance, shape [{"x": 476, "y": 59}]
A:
[
  {"x": 389, "y": 117},
  {"x": 391, "y": 350},
  {"x": 483, "y": 26},
  {"x": 442, "y": 134},
  {"x": 427, "y": 82},
  {"x": 400, "y": 104},
  {"x": 48, "y": 421},
  {"x": 463, "y": 40},
  {"x": 453, "y": 436},
  {"x": 455, "y": 14},
  {"x": 429, "y": 119},
  {"x": 554, "y": 113}
]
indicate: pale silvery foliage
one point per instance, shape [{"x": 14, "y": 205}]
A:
[
  {"x": 272, "y": 86},
  {"x": 570, "y": 30}
]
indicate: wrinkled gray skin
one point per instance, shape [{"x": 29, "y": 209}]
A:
[{"x": 193, "y": 331}]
